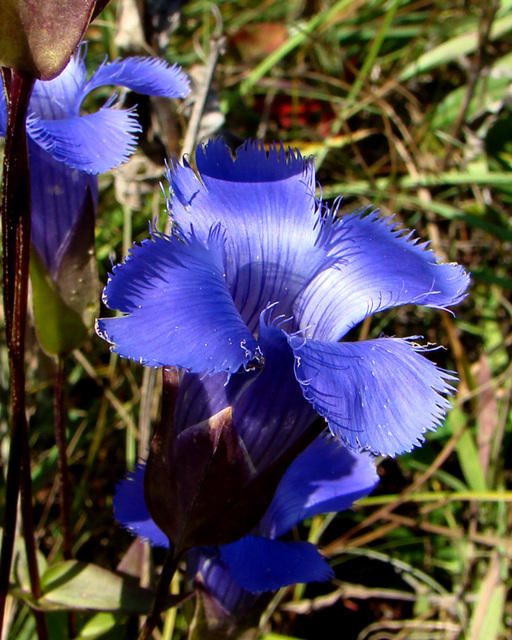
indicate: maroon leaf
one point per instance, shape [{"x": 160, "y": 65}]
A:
[{"x": 38, "y": 37}]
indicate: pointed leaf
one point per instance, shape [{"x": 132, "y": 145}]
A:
[
  {"x": 99, "y": 625},
  {"x": 78, "y": 585},
  {"x": 59, "y": 328},
  {"x": 20, "y": 577}
]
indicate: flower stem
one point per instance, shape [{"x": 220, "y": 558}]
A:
[
  {"x": 59, "y": 419},
  {"x": 162, "y": 593},
  {"x": 15, "y": 209},
  {"x": 62, "y": 461}
]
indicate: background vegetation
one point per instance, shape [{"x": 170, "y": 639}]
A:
[{"x": 406, "y": 106}]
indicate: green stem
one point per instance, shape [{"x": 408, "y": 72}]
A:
[
  {"x": 168, "y": 571},
  {"x": 15, "y": 209}
]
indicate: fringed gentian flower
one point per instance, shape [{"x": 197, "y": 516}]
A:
[
  {"x": 269, "y": 415},
  {"x": 326, "y": 477},
  {"x": 67, "y": 149},
  {"x": 249, "y": 235}
]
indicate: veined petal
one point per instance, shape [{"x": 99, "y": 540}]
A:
[
  {"x": 180, "y": 312},
  {"x": 150, "y": 76},
  {"x": 271, "y": 415},
  {"x": 325, "y": 477},
  {"x": 60, "y": 97},
  {"x": 93, "y": 143},
  {"x": 269, "y": 409},
  {"x": 380, "y": 395},
  {"x": 266, "y": 202},
  {"x": 130, "y": 508},
  {"x": 260, "y": 564},
  {"x": 376, "y": 266},
  {"x": 58, "y": 197}
]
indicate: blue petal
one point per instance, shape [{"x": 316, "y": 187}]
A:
[
  {"x": 376, "y": 266},
  {"x": 58, "y": 197},
  {"x": 260, "y": 564},
  {"x": 180, "y": 311},
  {"x": 216, "y": 579},
  {"x": 3, "y": 113},
  {"x": 93, "y": 143},
  {"x": 380, "y": 395},
  {"x": 150, "y": 76},
  {"x": 130, "y": 508},
  {"x": 60, "y": 97},
  {"x": 269, "y": 409},
  {"x": 325, "y": 477},
  {"x": 266, "y": 203}
]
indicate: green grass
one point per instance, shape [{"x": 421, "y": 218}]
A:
[{"x": 402, "y": 103}]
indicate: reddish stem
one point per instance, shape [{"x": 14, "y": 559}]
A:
[{"x": 15, "y": 209}]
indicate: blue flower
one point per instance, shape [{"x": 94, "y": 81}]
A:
[
  {"x": 250, "y": 235},
  {"x": 326, "y": 477},
  {"x": 270, "y": 414},
  {"x": 68, "y": 149}
]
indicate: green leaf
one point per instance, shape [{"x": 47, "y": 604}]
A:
[
  {"x": 467, "y": 451},
  {"x": 489, "y": 92},
  {"x": 454, "y": 49},
  {"x": 38, "y": 37},
  {"x": 59, "y": 328},
  {"x": 99, "y": 625},
  {"x": 78, "y": 585},
  {"x": 20, "y": 578},
  {"x": 66, "y": 301}
]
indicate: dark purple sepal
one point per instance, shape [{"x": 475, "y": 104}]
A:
[
  {"x": 75, "y": 269},
  {"x": 201, "y": 488},
  {"x": 37, "y": 37},
  {"x": 190, "y": 483}
]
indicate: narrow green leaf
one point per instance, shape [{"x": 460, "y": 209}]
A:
[
  {"x": 453, "y": 49},
  {"x": 59, "y": 328},
  {"x": 78, "y": 585},
  {"x": 20, "y": 578},
  {"x": 492, "y": 624},
  {"x": 467, "y": 451},
  {"x": 301, "y": 33},
  {"x": 99, "y": 625}
]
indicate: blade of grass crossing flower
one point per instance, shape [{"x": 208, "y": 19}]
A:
[
  {"x": 450, "y": 212},
  {"x": 446, "y": 178}
]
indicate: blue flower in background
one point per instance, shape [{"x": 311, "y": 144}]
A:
[
  {"x": 249, "y": 235},
  {"x": 325, "y": 477},
  {"x": 67, "y": 149}
]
